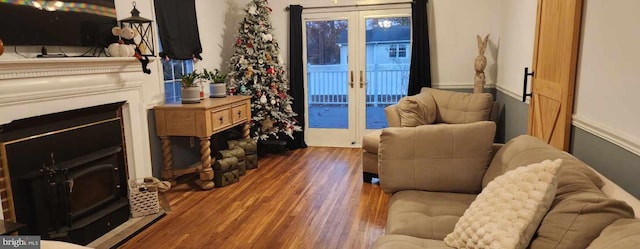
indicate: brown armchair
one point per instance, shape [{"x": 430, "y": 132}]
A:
[{"x": 430, "y": 106}]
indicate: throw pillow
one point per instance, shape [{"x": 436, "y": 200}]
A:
[
  {"x": 445, "y": 158},
  {"x": 458, "y": 107},
  {"x": 507, "y": 212},
  {"x": 417, "y": 110}
]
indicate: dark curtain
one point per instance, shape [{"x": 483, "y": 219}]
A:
[
  {"x": 420, "y": 72},
  {"x": 178, "y": 29},
  {"x": 296, "y": 77}
]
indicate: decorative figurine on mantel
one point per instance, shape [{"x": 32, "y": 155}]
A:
[{"x": 479, "y": 64}]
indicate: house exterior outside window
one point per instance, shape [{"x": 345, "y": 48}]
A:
[
  {"x": 393, "y": 50},
  {"x": 173, "y": 70},
  {"x": 398, "y": 50},
  {"x": 386, "y": 48},
  {"x": 402, "y": 50}
]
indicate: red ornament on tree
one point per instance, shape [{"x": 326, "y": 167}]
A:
[
  {"x": 271, "y": 71},
  {"x": 250, "y": 44},
  {"x": 238, "y": 41}
]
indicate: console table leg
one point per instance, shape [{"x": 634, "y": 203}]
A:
[
  {"x": 167, "y": 160},
  {"x": 206, "y": 173},
  {"x": 246, "y": 130}
]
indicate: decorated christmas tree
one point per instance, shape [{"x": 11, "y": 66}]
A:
[{"x": 256, "y": 69}]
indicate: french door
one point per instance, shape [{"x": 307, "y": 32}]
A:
[{"x": 356, "y": 64}]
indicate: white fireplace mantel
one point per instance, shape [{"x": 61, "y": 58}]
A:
[
  {"x": 35, "y": 80},
  {"x": 33, "y": 87}
]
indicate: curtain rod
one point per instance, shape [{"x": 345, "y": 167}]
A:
[{"x": 351, "y": 6}]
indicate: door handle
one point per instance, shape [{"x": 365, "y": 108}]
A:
[
  {"x": 524, "y": 90},
  {"x": 361, "y": 79},
  {"x": 351, "y": 81}
]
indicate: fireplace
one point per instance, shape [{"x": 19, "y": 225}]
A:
[
  {"x": 67, "y": 172},
  {"x": 37, "y": 87}
]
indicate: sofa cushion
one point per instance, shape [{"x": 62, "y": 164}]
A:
[
  {"x": 417, "y": 110},
  {"x": 621, "y": 234},
  {"x": 576, "y": 177},
  {"x": 450, "y": 158},
  {"x": 393, "y": 115},
  {"x": 395, "y": 241},
  {"x": 577, "y": 218},
  {"x": 369, "y": 162},
  {"x": 371, "y": 141},
  {"x": 426, "y": 215},
  {"x": 458, "y": 107},
  {"x": 579, "y": 211},
  {"x": 507, "y": 212},
  {"x": 525, "y": 150}
]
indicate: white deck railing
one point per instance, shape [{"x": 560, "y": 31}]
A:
[{"x": 330, "y": 87}]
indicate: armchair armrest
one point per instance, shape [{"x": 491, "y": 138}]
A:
[
  {"x": 445, "y": 157},
  {"x": 393, "y": 115}
]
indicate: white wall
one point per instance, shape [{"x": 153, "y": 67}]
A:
[
  {"x": 218, "y": 23},
  {"x": 453, "y": 27},
  {"x": 517, "y": 29},
  {"x": 607, "y": 83}
]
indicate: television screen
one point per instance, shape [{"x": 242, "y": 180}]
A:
[{"x": 85, "y": 23}]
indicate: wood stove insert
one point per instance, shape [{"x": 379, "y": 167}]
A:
[{"x": 64, "y": 174}]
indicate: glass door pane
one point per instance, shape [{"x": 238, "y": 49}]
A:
[
  {"x": 388, "y": 56},
  {"x": 357, "y": 63},
  {"x": 329, "y": 72},
  {"x": 327, "y": 79}
]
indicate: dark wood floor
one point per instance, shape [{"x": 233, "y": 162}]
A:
[{"x": 306, "y": 198}]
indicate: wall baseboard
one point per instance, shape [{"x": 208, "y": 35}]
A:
[{"x": 608, "y": 134}]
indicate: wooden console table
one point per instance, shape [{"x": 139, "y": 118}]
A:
[{"x": 210, "y": 116}]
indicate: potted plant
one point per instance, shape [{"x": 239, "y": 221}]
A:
[
  {"x": 217, "y": 88},
  {"x": 190, "y": 92}
]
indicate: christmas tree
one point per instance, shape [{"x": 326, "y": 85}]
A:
[{"x": 256, "y": 69}]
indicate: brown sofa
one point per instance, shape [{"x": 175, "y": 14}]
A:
[
  {"x": 431, "y": 106},
  {"x": 434, "y": 173}
]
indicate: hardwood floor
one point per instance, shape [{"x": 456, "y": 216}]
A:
[{"x": 306, "y": 198}]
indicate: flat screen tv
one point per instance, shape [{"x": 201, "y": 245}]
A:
[{"x": 84, "y": 23}]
